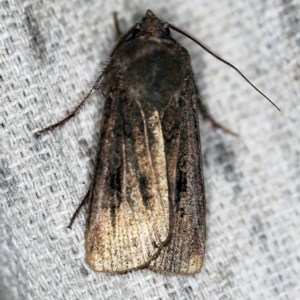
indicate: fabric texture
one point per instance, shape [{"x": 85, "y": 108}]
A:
[{"x": 51, "y": 53}]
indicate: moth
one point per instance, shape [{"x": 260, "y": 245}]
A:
[{"x": 147, "y": 198}]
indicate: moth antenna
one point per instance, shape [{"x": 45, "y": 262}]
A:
[{"x": 217, "y": 56}]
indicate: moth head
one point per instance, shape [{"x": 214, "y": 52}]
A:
[{"x": 151, "y": 26}]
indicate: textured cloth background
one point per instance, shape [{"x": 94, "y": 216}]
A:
[{"x": 52, "y": 51}]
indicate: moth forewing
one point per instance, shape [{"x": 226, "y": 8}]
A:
[
  {"x": 185, "y": 252},
  {"x": 129, "y": 220}
]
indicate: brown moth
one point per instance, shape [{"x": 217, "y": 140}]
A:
[{"x": 147, "y": 199}]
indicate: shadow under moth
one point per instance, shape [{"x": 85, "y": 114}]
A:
[{"x": 147, "y": 199}]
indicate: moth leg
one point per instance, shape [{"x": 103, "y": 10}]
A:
[
  {"x": 206, "y": 114},
  {"x": 117, "y": 25},
  {"x": 83, "y": 202},
  {"x": 95, "y": 87}
]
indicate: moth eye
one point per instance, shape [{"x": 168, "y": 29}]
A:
[{"x": 136, "y": 30}]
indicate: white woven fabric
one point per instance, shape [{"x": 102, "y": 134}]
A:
[{"x": 52, "y": 51}]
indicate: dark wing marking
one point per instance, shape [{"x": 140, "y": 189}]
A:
[
  {"x": 129, "y": 218},
  {"x": 184, "y": 254}
]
